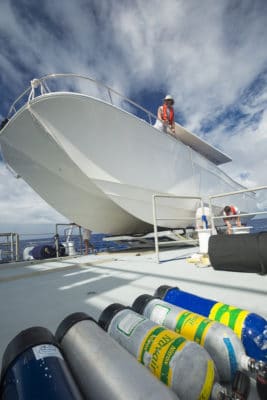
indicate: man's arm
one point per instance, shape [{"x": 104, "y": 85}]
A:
[
  {"x": 159, "y": 115},
  {"x": 229, "y": 227}
]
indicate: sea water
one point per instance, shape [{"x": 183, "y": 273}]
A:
[{"x": 258, "y": 225}]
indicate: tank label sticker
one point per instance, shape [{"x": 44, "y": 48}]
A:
[
  {"x": 208, "y": 384},
  {"x": 157, "y": 350},
  {"x": 159, "y": 314},
  {"x": 229, "y": 316},
  {"x": 46, "y": 350},
  {"x": 166, "y": 370},
  {"x": 193, "y": 326},
  {"x": 231, "y": 355},
  {"x": 128, "y": 324}
]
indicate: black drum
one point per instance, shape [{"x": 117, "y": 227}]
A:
[{"x": 240, "y": 253}]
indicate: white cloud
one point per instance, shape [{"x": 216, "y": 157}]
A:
[
  {"x": 203, "y": 52},
  {"x": 248, "y": 149},
  {"x": 19, "y": 204}
]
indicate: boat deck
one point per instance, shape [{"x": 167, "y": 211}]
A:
[{"x": 43, "y": 293}]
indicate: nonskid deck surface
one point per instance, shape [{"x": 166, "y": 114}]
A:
[{"x": 43, "y": 293}]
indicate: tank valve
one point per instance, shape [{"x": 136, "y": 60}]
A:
[
  {"x": 240, "y": 386},
  {"x": 240, "y": 389},
  {"x": 262, "y": 381}
]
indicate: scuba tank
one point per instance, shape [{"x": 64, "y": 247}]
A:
[
  {"x": 181, "y": 364},
  {"x": 250, "y": 328},
  {"x": 102, "y": 368},
  {"x": 33, "y": 367},
  {"x": 221, "y": 342}
]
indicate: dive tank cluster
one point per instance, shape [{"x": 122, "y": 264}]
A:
[
  {"x": 162, "y": 347},
  {"x": 250, "y": 328}
]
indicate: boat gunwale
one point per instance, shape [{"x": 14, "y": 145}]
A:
[{"x": 44, "y": 89}]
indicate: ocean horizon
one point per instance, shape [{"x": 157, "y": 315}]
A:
[{"x": 47, "y": 238}]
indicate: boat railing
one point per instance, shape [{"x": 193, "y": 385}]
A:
[
  {"x": 214, "y": 218},
  {"x": 157, "y": 220},
  {"x": 46, "y": 84},
  {"x": 9, "y": 246},
  {"x": 68, "y": 239},
  {"x": 15, "y": 247}
]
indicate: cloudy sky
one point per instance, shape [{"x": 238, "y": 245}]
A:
[{"x": 210, "y": 55}]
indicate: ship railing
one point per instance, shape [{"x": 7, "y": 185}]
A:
[
  {"x": 68, "y": 237},
  {"x": 220, "y": 217},
  {"x": 46, "y": 84},
  {"x": 12, "y": 245},
  {"x": 9, "y": 247},
  {"x": 156, "y": 221}
]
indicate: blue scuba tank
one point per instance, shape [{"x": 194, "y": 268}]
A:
[{"x": 250, "y": 328}]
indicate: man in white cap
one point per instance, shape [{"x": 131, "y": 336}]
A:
[{"x": 166, "y": 115}]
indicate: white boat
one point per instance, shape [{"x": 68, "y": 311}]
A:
[{"x": 99, "y": 163}]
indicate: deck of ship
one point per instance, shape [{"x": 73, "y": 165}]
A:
[{"x": 43, "y": 293}]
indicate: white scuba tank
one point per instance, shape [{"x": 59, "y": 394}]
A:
[
  {"x": 220, "y": 341},
  {"x": 181, "y": 364}
]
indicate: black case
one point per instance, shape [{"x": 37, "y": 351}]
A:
[{"x": 240, "y": 253}]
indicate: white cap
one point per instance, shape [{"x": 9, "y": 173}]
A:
[{"x": 168, "y": 97}]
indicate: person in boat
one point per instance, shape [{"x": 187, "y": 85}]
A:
[
  {"x": 232, "y": 216},
  {"x": 86, "y": 236},
  {"x": 165, "y": 115},
  {"x": 86, "y": 239}
]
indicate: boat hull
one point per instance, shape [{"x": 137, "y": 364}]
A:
[
  {"x": 44, "y": 165},
  {"x": 113, "y": 161}
]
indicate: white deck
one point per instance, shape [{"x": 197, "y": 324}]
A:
[{"x": 44, "y": 293}]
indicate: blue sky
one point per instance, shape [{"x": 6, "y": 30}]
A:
[{"x": 210, "y": 55}]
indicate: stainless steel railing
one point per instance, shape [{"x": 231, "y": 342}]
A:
[
  {"x": 9, "y": 246},
  {"x": 68, "y": 235},
  {"x": 43, "y": 86},
  {"x": 234, "y": 193},
  {"x": 156, "y": 219},
  {"x": 211, "y": 217}
]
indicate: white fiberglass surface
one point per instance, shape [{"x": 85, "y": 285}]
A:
[
  {"x": 33, "y": 154},
  {"x": 123, "y": 160},
  {"x": 126, "y": 148}
]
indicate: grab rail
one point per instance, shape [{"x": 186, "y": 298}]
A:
[
  {"x": 11, "y": 246},
  {"x": 44, "y": 88},
  {"x": 213, "y": 218},
  {"x": 155, "y": 218},
  {"x": 67, "y": 232}
]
